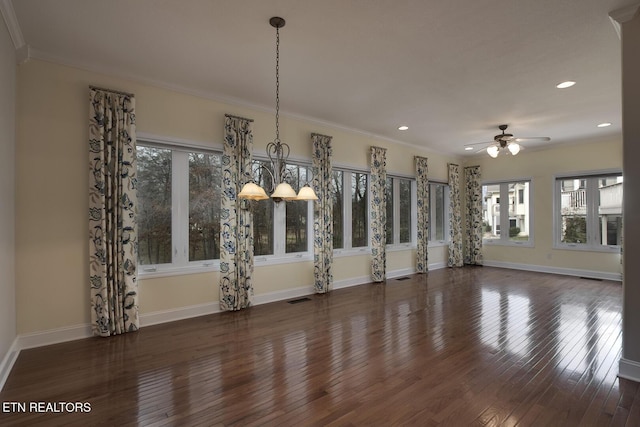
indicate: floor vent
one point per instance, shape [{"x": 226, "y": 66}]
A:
[
  {"x": 592, "y": 278},
  {"x": 403, "y": 278},
  {"x": 295, "y": 301}
]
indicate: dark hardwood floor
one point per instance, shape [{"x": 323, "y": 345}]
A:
[{"x": 454, "y": 347}]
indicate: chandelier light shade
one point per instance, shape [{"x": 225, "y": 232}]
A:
[
  {"x": 252, "y": 191},
  {"x": 493, "y": 151},
  {"x": 307, "y": 193},
  {"x": 277, "y": 151},
  {"x": 514, "y": 148},
  {"x": 284, "y": 192}
]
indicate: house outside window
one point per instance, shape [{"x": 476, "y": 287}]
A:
[
  {"x": 588, "y": 212},
  {"x": 516, "y": 218}
]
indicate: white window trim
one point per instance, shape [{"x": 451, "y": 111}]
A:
[
  {"x": 393, "y": 247},
  {"x": 592, "y": 193},
  {"x": 504, "y": 215},
  {"x": 179, "y": 219},
  {"x": 347, "y": 238},
  {"x": 279, "y": 255},
  {"x": 432, "y": 214}
]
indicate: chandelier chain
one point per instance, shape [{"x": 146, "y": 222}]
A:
[{"x": 277, "y": 84}]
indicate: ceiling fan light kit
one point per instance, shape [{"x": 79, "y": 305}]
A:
[{"x": 506, "y": 143}]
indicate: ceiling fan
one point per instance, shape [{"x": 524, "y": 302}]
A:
[{"x": 506, "y": 143}]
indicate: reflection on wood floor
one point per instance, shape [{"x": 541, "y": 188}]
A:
[{"x": 481, "y": 346}]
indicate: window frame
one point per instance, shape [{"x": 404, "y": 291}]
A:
[
  {"x": 347, "y": 226},
  {"x": 592, "y": 222},
  {"x": 279, "y": 255},
  {"x": 181, "y": 265},
  {"x": 413, "y": 231},
  {"x": 504, "y": 239},
  {"x": 445, "y": 214}
]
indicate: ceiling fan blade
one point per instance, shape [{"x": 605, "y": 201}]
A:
[
  {"x": 479, "y": 143},
  {"x": 534, "y": 138}
]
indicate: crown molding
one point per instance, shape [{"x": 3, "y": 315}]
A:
[
  {"x": 9, "y": 15},
  {"x": 60, "y": 60},
  {"x": 622, "y": 15}
]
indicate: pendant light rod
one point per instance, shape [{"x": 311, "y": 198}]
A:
[{"x": 277, "y": 151}]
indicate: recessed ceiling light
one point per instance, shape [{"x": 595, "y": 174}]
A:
[
  {"x": 565, "y": 85},
  {"x": 468, "y": 148},
  {"x": 403, "y": 127},
  {"x": 604, "y": 125}
]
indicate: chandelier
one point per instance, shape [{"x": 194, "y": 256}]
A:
[{"x": 277, "y": 151}]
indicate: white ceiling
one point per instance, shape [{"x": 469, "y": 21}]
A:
[{"x": 450, "y": 70}]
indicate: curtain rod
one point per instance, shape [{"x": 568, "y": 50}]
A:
[
  {"x": 231, "y": 116},
  {"x": 112, "y": 91}
]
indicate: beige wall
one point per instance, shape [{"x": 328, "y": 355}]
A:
[
  {"x": 542, "y": 166},
  {"x": 52, "y": 238},
  {"x": 7, "y": 192},
  {"x": 51, "y": 202},
  {"x": 631, "y": 131}
]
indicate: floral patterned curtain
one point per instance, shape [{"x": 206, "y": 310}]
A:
[
  {"x": 378, "y": 213},
  {"x": 473, "y": 249},
  {"x": 422, "y": 184},
  {"x": 323, "y": 213},
  {"x": 455, "y": 218},
  {"x": 236, "y": 230},
  {"x": 113, "y": 255}
]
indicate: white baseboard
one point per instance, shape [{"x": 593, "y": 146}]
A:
[
  {"x": 352, "y": 281},
  {"x": 629, "y": 370},
  {"x": 181, "y": 313},
  {"x": 282, "y": 295},
  {"x": 556, "y": 270},
  {"x": 54, "y": 336},
  {"x": 7, "y": 362},
  {"x": 437, "y": 265},
  {"x": 399, "y": 273}
]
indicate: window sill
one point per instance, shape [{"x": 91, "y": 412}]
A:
[
  {"x": 152, "y": 272},
  {"x": 587, "y": 248},
  {"x": 263, "y": 260},
  {"x": 400, "y": 247},
  {"x": 339, "y": 253},
  {"x": 514, "y": 244}
]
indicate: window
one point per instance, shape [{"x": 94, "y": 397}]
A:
[
  {"x": 438, "y": 213},
  {"x": 338, "y": 210},
  {"x": 589, "y": 212},
  {"x": 178, "y": 207},
  {"x": 281, "y": 228},
  {"x": 359, "y": 210},
  {"x": 350, "y": 210},
  {"x": 514, "y": 218},
  {"x": 297, "y": 213},
  {"x": 399, "y": 210},
  {"x": 263, "y": 218}
]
